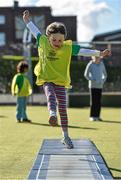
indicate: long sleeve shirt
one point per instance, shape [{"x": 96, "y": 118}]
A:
[
  {"x": 54, "y": 64},
  {"x": 76, "y": 49},
  {"x": 95, "y": 74}
]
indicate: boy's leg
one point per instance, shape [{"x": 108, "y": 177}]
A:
[
  {"x": 99, "y": 95},
  {"x": 95, "y": 102},
  {"x": 24, "y": 114},
  {"x": 91, "y": 103},
  {"x": 62, "y": 107},
  {"x": 51, "y": 102},
  {"x": 24, "y": 102},
  {"x": 19, "y": 109}
]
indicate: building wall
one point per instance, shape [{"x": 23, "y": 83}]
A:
[
  {"x": 8, "y": 26},
  {"x": 13, "y": 27}
]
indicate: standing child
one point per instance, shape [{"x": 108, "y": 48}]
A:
[
  {"x": 96, "y": 75},
  {"x": 22, "y": 88},
  {"x": 53, "y": 69}
]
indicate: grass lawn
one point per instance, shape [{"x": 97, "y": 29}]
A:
[{"x": 20, "y": 142}]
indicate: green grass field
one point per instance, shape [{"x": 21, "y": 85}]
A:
[{"x": 20, "y": 142}]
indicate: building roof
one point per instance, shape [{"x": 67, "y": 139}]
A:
[{"x": 108, "y": 36}]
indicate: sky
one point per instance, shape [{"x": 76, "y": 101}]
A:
[{"x": 93, "y": 16}]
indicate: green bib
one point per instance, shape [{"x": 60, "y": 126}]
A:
[
  {"x": 53, "y": 65},
  {"x": 21, "y": 85}
]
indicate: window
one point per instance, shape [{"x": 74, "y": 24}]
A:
[
  {"x": 20, "y": 25},
  {"x": 2, "y": 19},
  {"x": 40, "y": 22},
  {"x": 2, "y": 39}
]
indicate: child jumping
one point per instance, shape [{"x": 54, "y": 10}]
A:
[
  {"x": 53, "y": 69},
  {"x": 22, "y": 88}
]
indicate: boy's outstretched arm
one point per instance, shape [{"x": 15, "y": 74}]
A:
[
  {"x": 88, "y": 52},
  {"x": 30, "y": 25},
  {"x": 77, "y": 50},
  {"x": 97, "y": 53},
  {"x": 26, "y": 16}
]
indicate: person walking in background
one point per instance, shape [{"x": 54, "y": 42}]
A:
[
  {"x": 21, "y": 87},
  {"x": 53, "y": 69},
  {"x": 96, "y": 75}
]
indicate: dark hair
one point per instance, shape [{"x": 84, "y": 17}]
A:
[
  {"x": 56, "y": 27},
  {"x": 22, "y": 66}
]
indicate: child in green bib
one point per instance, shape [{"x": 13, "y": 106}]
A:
[
  {"x": 21, "y": 87},
  {"x": 53, "y": 69}
]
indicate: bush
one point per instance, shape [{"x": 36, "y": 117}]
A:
[{"x": 79, "y": 83}]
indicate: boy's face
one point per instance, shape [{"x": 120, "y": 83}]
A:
[{"x": 56, "y": 40}]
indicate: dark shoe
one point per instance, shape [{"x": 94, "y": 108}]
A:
[
  {"x": 18, "y": 120},
  {"x": 53, "y": 121},
  {"x": 26, "y": 120}
]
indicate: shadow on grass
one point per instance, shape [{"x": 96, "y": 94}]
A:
[
  {"x": 2, "y": 116},
  {"x": 108, "y": 121},
  {"x": 76, "y": 127}
]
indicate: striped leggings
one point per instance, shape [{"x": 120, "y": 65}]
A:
[{"x": 56, "y": 96}]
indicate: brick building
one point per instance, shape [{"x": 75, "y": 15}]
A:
[{"x": 12, "y": 25}]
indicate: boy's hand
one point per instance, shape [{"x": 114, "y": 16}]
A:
[
  {"x": 26, "y": 16},
  {"x": 105, "y": 53}
]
